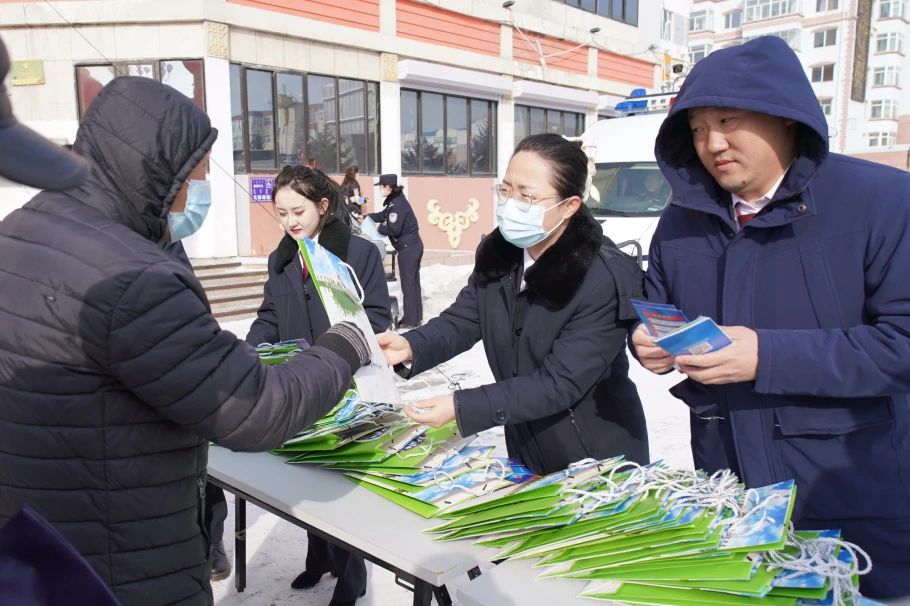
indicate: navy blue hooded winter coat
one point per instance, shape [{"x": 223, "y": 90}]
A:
[{"x": 821, "y": 274}]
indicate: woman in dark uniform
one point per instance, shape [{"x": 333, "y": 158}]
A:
[
  {"x": 397, "y": 221},
  {"x": 550, "y": 299}
]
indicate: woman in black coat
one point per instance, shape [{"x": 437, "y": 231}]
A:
[
  {"x": 306, "y": 201},
  {"x": 549, "y": 298},
  {"x": 398, "y": 221}
]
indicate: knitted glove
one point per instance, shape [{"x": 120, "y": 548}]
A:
[{"x": 346, "y": 340}]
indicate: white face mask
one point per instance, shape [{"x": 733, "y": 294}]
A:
[
  {"x": 189, "y": 220},
  {"x": 523, "y": 228}
]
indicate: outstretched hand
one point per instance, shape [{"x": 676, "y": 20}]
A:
[
  {"x": 395, "y": 348},
  {"x": 434, "y": 412}
]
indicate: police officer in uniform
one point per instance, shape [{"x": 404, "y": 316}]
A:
[{"x": 397, "y": 221}]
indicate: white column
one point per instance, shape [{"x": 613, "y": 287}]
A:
[
  {"x": 218, "y": 235},
  {"x": 390, "y": 123},
  {"x": 505, "y": 139}
]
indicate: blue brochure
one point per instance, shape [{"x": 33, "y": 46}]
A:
[
  {"x": 659, "y": 318},
  {"x": 699, "y": 336}
]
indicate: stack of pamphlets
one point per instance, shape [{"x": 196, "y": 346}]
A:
[
  {"x": 651, "y": 535},
  {"x": 674, "y": 333}
]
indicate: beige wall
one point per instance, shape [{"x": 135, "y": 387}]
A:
[
  {"x": 897, "y": 159},
  {"x": 453, "y": 195}
]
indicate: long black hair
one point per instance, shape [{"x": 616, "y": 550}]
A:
[
  {"x": 568, "y": 161},
  {"x": 314, "y": 185}
]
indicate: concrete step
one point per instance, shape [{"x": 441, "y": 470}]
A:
[
  {"x": 234, "y": 286},
  {"x": 246, "y": 294},
  {"x": 238, "y": 279},
  {"x": 235, "y": 310},
  {"x": 216, "y": 272}
]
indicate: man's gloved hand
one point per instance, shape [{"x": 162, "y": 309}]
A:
[{"x": 346, "y": 340}]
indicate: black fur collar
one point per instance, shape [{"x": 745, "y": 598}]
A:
[
  {"x": 335, "y": 237},
  {"x": 557, "y": 275}
]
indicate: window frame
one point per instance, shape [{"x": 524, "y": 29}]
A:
[
  {"x": 827, "y": 4},
  {"x": 823, "y": 67},
  {"x": 704, "y": 16},
  {"x": 604, "y": 8},
  {"x": 370, "y": 166},
  {"x": 492, "y": 126},
  {"x": 728, "y": 18},
  {"x": 758, "y": 10},
  {"x": 891, "y": 4},
  {"x": 828, "y": 37},
  {"x": 120, "y": 69},
  {"x": 563, "y": 113},
  {"x": 894, "y": 43},
  {"x": 887, "y": 107}
]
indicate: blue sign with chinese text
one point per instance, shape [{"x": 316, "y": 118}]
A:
[{"x": 261, "y": 188}]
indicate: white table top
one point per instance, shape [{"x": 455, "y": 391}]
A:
[
  {"x": 513, "y": 583},
  {"x": 332, "y": 503}
]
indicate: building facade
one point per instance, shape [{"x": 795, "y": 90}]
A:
[
  {"x": 437, "y": 91},
  {"x": 854, "y": 53}
]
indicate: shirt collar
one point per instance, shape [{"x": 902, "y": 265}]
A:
[{"x": 762, "y": 202}]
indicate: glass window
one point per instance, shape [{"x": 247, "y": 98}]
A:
[
  {"x": 290, "y": 111},
  {"x": 823, "y": 73},
  {"x": 410, "y": 158},
  {"x": 766, "y": 9},
  {"x": 698, "y": 52},
  {"x": 322, "y": 129},
  {"x": 260, "y": 118},
  {"x": 554, "y": 121},
  {"x": 883, "y": 109},
  {"x": 699, "y": 20},
  {"x": 90, "y": 79},
  {"x": 373, "y": 126},
  {"x": 352, "y": 129},
  {"x": 629, "y": 189},
  {"x": 522, "y": 122},
  {"x": 891, "y": 8},
  {"x": 187, "y": 77},
  {"x": 482, "y": 137},
  {"x": 890, "y": 42},
  {"x": 825, "y": 37},
  {"x": 432, "y": 133},
  {"x": 288, "y": 118},
  {"x": 886, "y": 76},
  {"x": 237, "y": 119},
  {"x": 733, "y": 19},
  {"x": 444, "y": 134},
  {"x": 456, "y": 136},
  {"x": 826, "y": 105},
  {"x": 538, "y": 121},
  {"x": 588, "y": 5},
  {"x": 825, "y": 5}
]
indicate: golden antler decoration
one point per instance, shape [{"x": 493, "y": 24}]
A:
[{"x": 453, "y": 224}]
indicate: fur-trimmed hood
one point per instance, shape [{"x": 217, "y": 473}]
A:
[
  {"x": 334, "y": 237},
  {"x": 557, "y": 275}
]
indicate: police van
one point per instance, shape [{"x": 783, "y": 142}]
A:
[{"x": 632, "y": 191}]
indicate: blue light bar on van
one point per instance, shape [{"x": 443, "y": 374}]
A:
[
  {"x": 640, "y": 103},
  {"x": 630, "y": 106}
]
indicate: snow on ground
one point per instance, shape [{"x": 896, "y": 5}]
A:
[{"x": 276, "y": 549}]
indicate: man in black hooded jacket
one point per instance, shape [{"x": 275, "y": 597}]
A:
[{"x": 113, "y": 373}]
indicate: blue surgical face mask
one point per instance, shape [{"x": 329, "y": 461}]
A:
[
  {"x": 188, "y": 222},
  {"x": 523, "y": 228}
]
